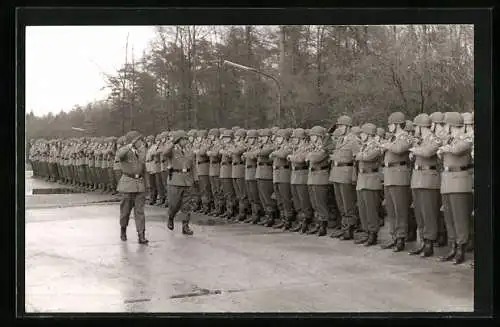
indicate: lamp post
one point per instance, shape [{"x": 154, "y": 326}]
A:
[{"x": 250, "y": 69}]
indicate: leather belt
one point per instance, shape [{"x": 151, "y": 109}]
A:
[
  {"x": 186, "y": 170},
  {"x": 394, "y": 164},
  {"x": 134, "y": 176},
  {"x": 368, "y": 170},
  {"x": 281, "y": 167},
  {"x": 203, "y": 162},
  {"x": 163, "y": 161},
  {"x": 299, "y": 168},
  {"x": 320, "y": 168},
  {"x": 265, "y": 164},
  {"x": 238, "y": 163},
  {"x": 226, "y": 163},
  {"x": 457, "y": 169},
  {"x": 340, "y": 164},
  {"x": 251, "y": 166},
  {"x": 420, "y": 167},
  {"x": 214, "y": 162}
]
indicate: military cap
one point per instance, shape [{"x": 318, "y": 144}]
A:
[
  {"x": 454, "y": 119},
  {"x": 252, "y": 133},
  {"x": 422, "y": 120},
  {"x": 265, "y": 132},
  {"x": 356, "y": 130},
  {"x": 113, "y": 139},
  {"x": 396, "y": 118},
  {"x": 408, "y": 125},
  {"x": 380, "y": 132},
  {"x": 318, "y": 131},
  {"x": 192, "y": 132},
  {"x": 235, "y": 128},
  {"x": 202, "y": 133},
  {"x": 221, "y": 130},
  {"x": 132, "y": 136},
  {"x": 179, "y": 134},
  {"x": 468, "y": 118},
  {"x": 344, "y": 120},
  {"x": 369, "y": 129},
  {"x": 227, "y": 133},
  {"x": 299, "y": 132},
  {"x": 214, "y": 131},
  {"x": 240, "y": 132},
  {"x": 150, "y": 138},
  {"x": 285, "y": 133},
  {"x": 437, "y": 117}
]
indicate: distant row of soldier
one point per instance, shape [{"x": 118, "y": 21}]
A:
[{"x": 419, "y": 173}]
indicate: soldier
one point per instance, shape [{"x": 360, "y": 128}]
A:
[
  {"x": 412, "y": 222},
  {"x": 225, "y": 175},
  {"x": 196, "y": 186},
  {"x": 202, "y": 169},
  {"x": 105, "y": 165},
  {"x": 132, "y": 185},
  {"x": 425, "y": 184},
  {"x": 98, "y": 164},
  {"x": 238, "y": 173},
  {"x": 456, "y": 186},
  {"x": 282, "y": 177},
  {"x": 214, "y": 172},
  {"x": 180, "y": 180},
  {"x": 468, "y": 131},
  {"x": 369, "y": 185},
  {"x": 341, "y": 175},
  {"x": 117, "y": 170},
  {"x": 397, "y": 181},
  {"x": 381, "y": 138},
  {"x": 250, "y": 172},
  {"x": 151, "y": 170},
  {"x": 319, "y": 169},
  {"x": 165, "y": 139},
  {"x": 158, "y": 172},
  {"x": 91, "y": 165},
  {"x": 111, "y": 165}
]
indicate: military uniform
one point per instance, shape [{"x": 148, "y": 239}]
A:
[
  {"x": 117, "y": 170},
  {"x": 202, "y": 169},
  {"x": 151, "y": 170},
  {"x": 238, "y": 174},
  {"x": 214, "y": 172},
  {"x": 164, "y": 164},
  {"x": 250, "y": 175},
  {"x": 132, "y": 185},
  {"x": 225, "y": 175}
]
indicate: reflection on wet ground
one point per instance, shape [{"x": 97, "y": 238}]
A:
[{"x": 75, "y": 262}]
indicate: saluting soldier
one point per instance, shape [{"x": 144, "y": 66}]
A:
[
  {"x": 381, "y": 138},
  {"x": 468, "y": 131},
  {"x": 225, "y": 175},
  {"x": 180, "y": 180},
  {"x": 319, "y": 171},
  {"x": 105, "y": 164},
  {"x": 165, "y": 138},
  {"x": 132, "y": 185},
  {"x": 368, "y": 184},
  {"x": 250, "y": 158},
  {"x": 214, "y": 172},
  {"x": 196, "y": 186},
  {"x": 151, "y": 169},
  {"x": 412, "y": 222},
  {"x": 425, "y": 184},
  {"x": 117, "y": 170},
  {"x": 238, "y": 173},
  {"x": 397, "y": 181},
  {"x": 282, "y": 177},
  {"x": 91, "y": 164},
  {"x": 202, "y": 169},
  {"x": 342, "y": 150},
  {"x": 111, "y": 165},
  {"x": 456, "y": 186}
]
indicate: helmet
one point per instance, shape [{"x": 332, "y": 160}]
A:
[
  {"x": 240, "y": 132},
  {"x": 437, "y": 117},
  {"x": 468, "y": 118},
  {"x": 396, "y": 118},
  {"x": 285, "y": 133},
  {"x": 344, "y": 120},
  {"x": 423, "y": 120},
  {"x": 179, "y": 135},
  {"x": 265, "y": 132},
  {"x": 356, "y": 130},
  {"x": 299, "y": 132},
  {"x": 380, "y": 132},
  {"x": 221, "y": 129},
  {"x": 150, "y": 138},
  {"x": 191, "y": 133},
  {"x": 227, "y": 133},
  {"x": 235, "y": 128},
  {"x": 202, "y": 133},
  {"x": 132, "y": 136},
  {"x": 252, "y": 133},
  {"x": 454, "y": 119},
  {"x": 275, "y": 129},
  {"x": 369, "y": 129},
  {"x": 214, "y": 131},
  {"x": 318, "y": 131}
]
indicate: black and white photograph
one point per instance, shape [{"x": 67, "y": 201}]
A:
[{"x": 249, "y": 168}]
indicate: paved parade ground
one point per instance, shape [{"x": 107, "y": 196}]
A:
[{"x": 75, "y": 262}]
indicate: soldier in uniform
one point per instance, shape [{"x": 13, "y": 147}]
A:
[
  {"x": 225, "y": 175},
  {"x": 98, "y": 164},
  {"x": 132, "y": 185},
  {"x": 158, "y": 172},
  {"x": 468, "y": 131},
  {"x": 238, "y": 173},
  {"x": 397, "y": 181},
  {"x": 151, "y": 172},
  {"x": 214, "y": 172},
  {"x": 456, "y": 186},
  {"x": 111, "y": 159},
  {"x": 250, "y": 172},
  {"x": 317, "y": 181},
  {"x": 202, "y": 169},
  {"x": 425, "y": 183},
  {"x": 91, "y": 165},
  {"x": 282, "y": 176},
  {"x": 412, "y": 222},
  {"x": 165, "y": 139},
  {"x": 117, "y": 170},
  {"x": 180, "y": 180},
  {"x": 381, "y": 138},
  {"x": 342, "y": 151},
  {"x": 369, "y": 185},
  {"x": 192, "y": 144}
]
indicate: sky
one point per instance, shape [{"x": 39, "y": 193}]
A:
[{"x": 65, "y": 64}]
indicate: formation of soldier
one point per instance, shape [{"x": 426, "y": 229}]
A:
[{"x": 419, "y": 174}]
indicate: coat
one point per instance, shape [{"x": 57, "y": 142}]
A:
[
  {"x": 397, "y": 152},
  {"x": 425, "y": 157},
  {"x": 213, "y": 154},
  {"x": 319, "y": 168},
  {"x": 238, "y": 170},
  {"x": 343, "y": 153},
  {"x": 281, "y": 167},
  {"x": 182, "y": 163},
  {"x": 459, "y": 156},
  {"x": 368, "y": 164},
  {"x": 264, "y": 163},
  {"x": 202, "y": 160},
  {"x": 131, "y": 164}
]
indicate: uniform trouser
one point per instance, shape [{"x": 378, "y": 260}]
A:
[
  {"x": 333, "y": 208},
  {"x": 118, "y": 175},
  {"x": 285, "y": 194},
  {"x": 253, "y": 196},
  {"x": 196, "y": 193},
  {"x": 216, "y": 192},
  {"x": 229, "y": 195},
  {"x": 82, "y": 176},
  {"x": 319, "y": 201},
  {"x": 151, "y": 186},
  {"x": 136, "y": 201},
  {"x": 397, "y": 202},
  {"x": 205, "y": 191},
  {"x": 241, "y": 194},
  {"x": 180, "y": 198},
  {"x": 457, "y": 208},
  {"x": 306, "y": 207},
  {"x": 296, "y": 200},
  {"x": 426, "y": 203},
  {"x": 279, "y": 200},
  {"x": 111, "y": 177},
  {"x": 88, "y": 175},
  {"x": 164, "y": 181},
  {"x": 59, "y": 172},
  {"x": 265, "y": 187},
  {"x": 368, "y": 203},
  {"x": 159, "y": 186},
  {"x": 345, "y": 197}
]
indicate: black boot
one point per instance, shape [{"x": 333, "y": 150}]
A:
[
  {"x": 142, "y": 238},
  {"x": 400, "y": 245},
  {"x": 256, "y": 220},
  {"x": 339, "y": 232},
  {"x": 363, "y": 239},
  {"x": 185, "y": 228},
  {"x": 123, "y": 233},
  {"x": 417, "y": 250},
  {"x": 288, "y": 224},
  {"x": 460, "y": 255},
  {"x": 170, "y": 223},
  {"x": 388, "y": 245},
  {"x": 428, "y": 250},
  {"x": 451, "y": 254},
  {"x": 297, "y": 228},
  {"x": 372, "y": 239},
  {"x": 280, "y": 224},
  {"x": 314, "y": 228},
  {"x": 348, "y": 234},
  {"x": 322, "y": 228},
  {"x": 271, "y": 219}
]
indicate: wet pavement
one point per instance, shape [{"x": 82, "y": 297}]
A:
[{"x": 75, "y": 262}]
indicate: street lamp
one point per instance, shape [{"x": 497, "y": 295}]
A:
[{"x": 250, "y": 69}]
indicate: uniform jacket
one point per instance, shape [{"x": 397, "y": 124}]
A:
[
  {"x": 300, "y": 169},
  {"x": 104, "y": 161},
  {"x": 398, "y": 153},
  {"x": 215, "y": 158},
  {"x": 282, "y": 170},
  {"x": 319, "y": 166},
  {"x": 202, "y": 160},
  {"x": 425, "y": 157},
  {"x": 368, "y": 163},
  {"x": 343, "y": 153},
  {"x": 237, "y": 150},
  {"x": 264, "y": 163},
  {"x": 226, "y": 163},
  {"x": 250, "y": 157},
  {"x": 151, "y": 167},
  {"x": 459, "y": 156},
  {"x": 117, "y": 164},
  {"x": 132, "y": 163},
  {"x": 182, "y": 165}
]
